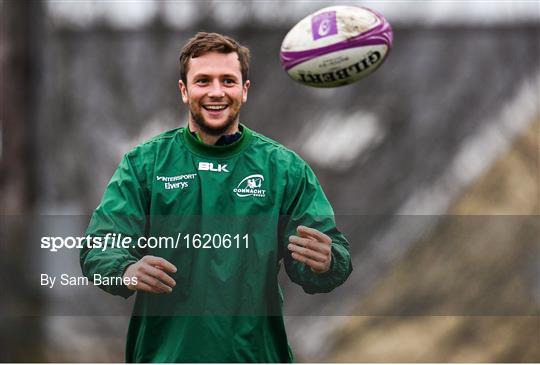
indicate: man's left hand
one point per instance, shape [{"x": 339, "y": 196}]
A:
[{"x": 313, "y": 248}]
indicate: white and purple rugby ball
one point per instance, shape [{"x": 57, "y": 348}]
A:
[{"x": 336, "y": 46}]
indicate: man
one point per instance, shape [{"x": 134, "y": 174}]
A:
[{"x": 238, "y": 204}]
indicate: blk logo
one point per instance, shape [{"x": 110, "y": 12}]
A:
[{"x": 209, "y": 166}]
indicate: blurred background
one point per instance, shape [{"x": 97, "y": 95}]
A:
[{"x": 432, "y": 165}]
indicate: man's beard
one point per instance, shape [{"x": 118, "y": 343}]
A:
[{"x": 211, "y": 130}]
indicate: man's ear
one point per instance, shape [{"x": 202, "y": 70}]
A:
[
  {"x": 245, "y": 88},
  {"x": 183, "y": 91}
]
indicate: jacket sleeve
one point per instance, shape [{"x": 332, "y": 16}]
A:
[
  {"x": 309, "y": 206},
  {"x": 123, "y": 210}
]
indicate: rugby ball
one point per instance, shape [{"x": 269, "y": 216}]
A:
[{"x": 336, "y": 46}]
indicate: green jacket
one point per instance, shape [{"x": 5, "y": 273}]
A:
[{"x": 229, "y": 210}]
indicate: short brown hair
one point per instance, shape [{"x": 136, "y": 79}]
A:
[{"x": 204, "y": 42}]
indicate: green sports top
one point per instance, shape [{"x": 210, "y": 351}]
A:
[{"x": 223, "y": 215}]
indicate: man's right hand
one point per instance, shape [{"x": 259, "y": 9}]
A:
[{"x": 150, "y": 272}]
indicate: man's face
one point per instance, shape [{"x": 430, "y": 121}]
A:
[{"x": 214, "y": 92}]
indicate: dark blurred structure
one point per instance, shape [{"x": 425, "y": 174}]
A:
[
  {"x": 20, "y": 62},
  {"x": 393, "y": 151}
]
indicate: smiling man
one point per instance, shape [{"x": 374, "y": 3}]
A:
[
  {"x": 239, "y": 206},
  {"x": 217, "y": 90}
]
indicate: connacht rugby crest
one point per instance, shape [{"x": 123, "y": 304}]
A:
[{"x": 251, "y": 186}]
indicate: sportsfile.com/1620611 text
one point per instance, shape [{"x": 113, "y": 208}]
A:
[{"x": 118, "y": 240}]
